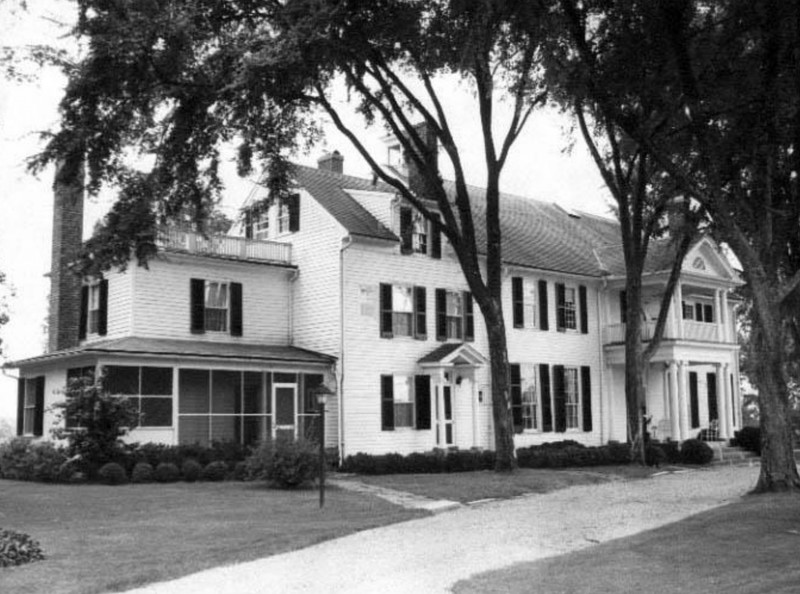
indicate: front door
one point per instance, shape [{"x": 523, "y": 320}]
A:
[
  {"x": 284, "y": 404},
  {"x": 444, "y": 416}
]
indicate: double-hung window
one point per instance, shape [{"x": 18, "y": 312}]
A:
[
  {"x": 529, "y": 402},
  {"x": 570, "y": 320},
  {"x": 524, "y": 302},
  {"x": 31, "y": 406},
  {"x": 283, "y": 217},
  {"x": 261, "y": 225},
  {"x": 398, "y": 402},
  {"x": 94, "y": 308},
  {"x": 454, "y": 315},
  {"x": 402, "y": 310},
  {"x": 571, "y": 397},
  {"x": 216, "y": 305},
  {"x": 419, "y": 236},
  {"x": 524, "y": 397}
]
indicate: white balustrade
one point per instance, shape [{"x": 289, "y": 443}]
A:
[{"x": 225, "y": 246}]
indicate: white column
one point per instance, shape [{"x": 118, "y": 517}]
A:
[
  {"x": 719, "y": 315},
  {"x": 737, "y": 401},
  {"x": 679, "y": 303},
  {"x": 609, "y": 406},
  {"x": 683, "y": 399},
  {"x": 722, "y": 400},
  {"x": 727, "y": 329},
  {"x": 674, "y": 404}
]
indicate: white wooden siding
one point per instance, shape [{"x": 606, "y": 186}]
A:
[{"x": 161, "y": 299}]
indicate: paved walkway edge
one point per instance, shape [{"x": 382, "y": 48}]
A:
[{"x": 401, "y": 498}]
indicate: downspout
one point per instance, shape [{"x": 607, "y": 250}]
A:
[{"x": 346, "y": 243}]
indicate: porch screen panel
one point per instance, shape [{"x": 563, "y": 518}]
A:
[
  {"x": 225, "y": 392},
  {"x": 284, "y": 406},
  {"x": 226, "y": 428},
  {"x": 193, "y": 391},
  {"x": 254, "y": 401},
  {"x": 193, "y": 430}
]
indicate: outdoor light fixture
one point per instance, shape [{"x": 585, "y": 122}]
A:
[{"x": 322, "y": 392}]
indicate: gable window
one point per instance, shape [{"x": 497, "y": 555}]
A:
[
  {"x": 283, "y": 217},
  {"x": 403, "y": 311},
  {"x": 148, "y": 388},
  {"x": 216, "y": 306},
  {"x": 417, "y": 235},
  {"x": 288, "y": 219},
  {"x": 94, "y": 309}
]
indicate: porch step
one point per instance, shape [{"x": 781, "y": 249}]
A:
[{"x": 727, "y": 454}]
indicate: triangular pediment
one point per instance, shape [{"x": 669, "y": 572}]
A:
[
  {"x": 706, "y": 259},
  {"x": 454, "y": 354}
]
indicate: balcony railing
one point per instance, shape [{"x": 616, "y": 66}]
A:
[
  {"x": 706, "y": 332},
  {"x": 225, "y": 246}
]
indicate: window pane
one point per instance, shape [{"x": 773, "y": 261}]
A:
[
  {"x": 157, "y": 381},
  {"x": 156, "y": 412},
  {"x": 403, "y": 414},
  {"x": 193, "y": 430},
  {"x": 256, "y": 429},
  {"x": 121, "y": 379},
  {"x": 225, "y": 392},
  {"x": 216, "y": 320},
  {"x": 402, "y": 299},
  {"x": 193, "y": 391},
  {"x": 454, "y": 305},
  {"x": 401, "y": 324},
  {"x": 216, "y": 295},
  {"x": 253, "y": 393}
]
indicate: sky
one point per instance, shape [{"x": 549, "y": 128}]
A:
[{"x": 540, "y": 166}]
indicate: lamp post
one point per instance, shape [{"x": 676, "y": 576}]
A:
[{"x": 322, "y": 393}]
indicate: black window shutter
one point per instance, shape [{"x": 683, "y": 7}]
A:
[
  {"x": 20, "y": 405},
  {"x": 560, "y": 398},
  {"x": 694, "y": 400},
  {"x": 198, "y": 305},
  {"x": 711, "y": 389},
  {"x": 698, "y": 312},
  {"x": 386, "y": 310},
  {"x": 294, "y": 212},
  {"x": 84, "y": 319},
  {"x": 441, "y": 314},
  {"x": 515, "y": 387},
  {"x": 436, "y": 237},
  {"x": 102, "y": 313},
  {"x": 420, "y": 316},
  {"x": 547, "y": 407},
  {"x": 38, "y": 419},
  {"x": 406, "y": 230},
  {"x": 387, "y": 403},
  {"x": 543, "y": 315},
  {"x": 584, "y": 313},
  {"x": 517, "y": 302},
  {"x": 469, "y": 317},
  {"x": 586, "y": 383},
  {"x": 422, "y": 397},
  {"x": 561, "y": 316},
  {"x": 623, "y": 306},
  {"x": 708, "y": 310},
  {"x": 236, "y": 309}
]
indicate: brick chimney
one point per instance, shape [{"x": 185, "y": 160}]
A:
[
  {"x": 331, "y": 162},
  {"x": 65, "y": 286},
  {"x": 416, "y": 178}
]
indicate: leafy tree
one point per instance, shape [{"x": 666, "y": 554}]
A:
[
  {"x": 176, "y": 80},
  {"x": 729, "y": 94},
  {"x": 93, "y": 421}
]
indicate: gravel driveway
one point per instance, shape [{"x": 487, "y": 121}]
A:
[{"x": 431, "y": 554}]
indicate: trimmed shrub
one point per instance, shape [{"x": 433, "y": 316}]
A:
[
  {"x": 259, "y": 461},
  {"x": 24, "y": 460},
  {"x": 167, "y": 472},
  {"x": 191, "y": 470},
  {"x": 76, "y": 471},
  {"x": 215, "y": 471},
  {"x": 294, "y": 463},
  {"x": 654, "y": 455},
  {"x": 142, "y": 473},
  {"x": 672, "y": 452},
  {"x": 240, "y": 471},
  {"x": 17, "y": 548},
  {"x": 694, "y": 451},
  {"x": 748, "y": 438},
  {"x": 112, "y": 473}
]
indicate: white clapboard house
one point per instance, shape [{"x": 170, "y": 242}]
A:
[{"x": 344, "y": 284}]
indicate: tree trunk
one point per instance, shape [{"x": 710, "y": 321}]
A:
[
  {"x": 634, "y": 369},
  {"x": 505, "y": 459},
  {"x": 778, "y": 467}
]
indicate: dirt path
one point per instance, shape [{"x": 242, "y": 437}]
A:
[{"x": 431, "y": 554}]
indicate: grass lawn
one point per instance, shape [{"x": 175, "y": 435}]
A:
[
  {"x": 474, "y": 486},
  {"x": 747, "y": 547},
  {"x": 98, "y": 538}
]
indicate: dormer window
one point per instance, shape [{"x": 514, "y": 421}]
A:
[{"x": 288, "y": 214}]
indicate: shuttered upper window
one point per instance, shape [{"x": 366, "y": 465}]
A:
[
  {"x": 94, "y": 309},
  {"x": 215, "y": 306},
  {"x": 403, "y": 311}
]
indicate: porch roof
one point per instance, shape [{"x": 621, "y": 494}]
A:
[
  {"x": 165, "y": 347},
  {"x": 453, "y": 353}
]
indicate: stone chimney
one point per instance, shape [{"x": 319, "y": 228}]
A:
[
  {"x": 416, "y": 177},
  {"x": 331, "y": 162},
  {"x": 65, "y": 286}
]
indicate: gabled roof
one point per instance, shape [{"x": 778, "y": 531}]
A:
[
  {"x": 453, "y": 353},
  {"x": 166, "y": 347}
]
